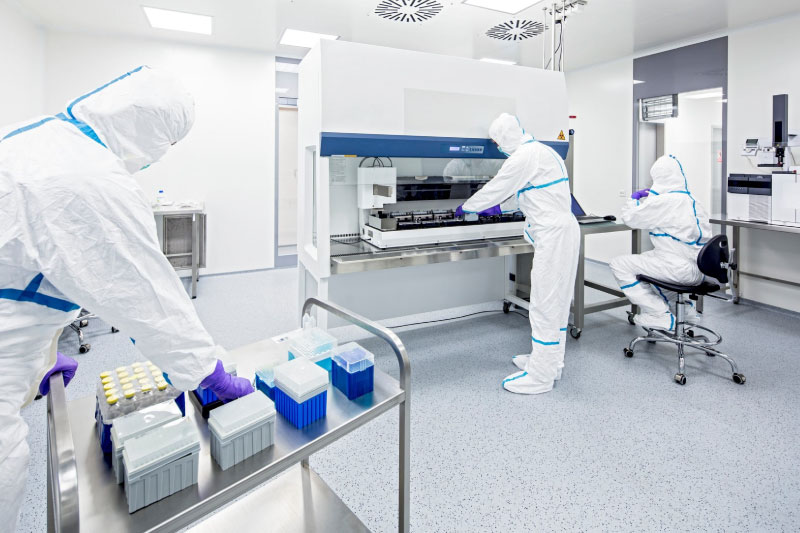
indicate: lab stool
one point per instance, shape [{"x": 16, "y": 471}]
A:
[{"x": 713, "y": 261}]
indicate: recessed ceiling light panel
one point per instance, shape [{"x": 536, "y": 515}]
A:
[
  {"x": 515, "y": 30},
  {"x": 512, "y": 7},
  {"x": 304, "y": 39},
  {"x": 498, "y": 61},
  {"x": 165, "y": 19},
  {"x": 408, "y": 10}
]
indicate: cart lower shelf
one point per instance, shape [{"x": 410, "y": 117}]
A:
[{"x": 297, "y": 501}]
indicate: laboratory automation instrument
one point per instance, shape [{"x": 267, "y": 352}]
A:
[
  {"x": 387, "y": 159},
  {"x": 353, "y": 370},
  {"x": 773, "y": 194},
  {"x": 241, "y": 429},
  {"x": 301, "y": 391}
]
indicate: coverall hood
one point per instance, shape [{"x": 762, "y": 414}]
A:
[
  {"x": 508, "y": 133},
  {"x": 138, "y": 116},
  {"x": 668, "y": 175}
]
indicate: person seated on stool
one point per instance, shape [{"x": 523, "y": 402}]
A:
[{"x": 679, "y": 228}]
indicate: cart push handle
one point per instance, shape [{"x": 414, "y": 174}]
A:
[
  {"x": 394, "y": 341},
  {"x": 62, "y": 468}
]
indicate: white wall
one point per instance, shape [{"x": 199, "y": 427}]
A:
[
  {"x": 753, "y": 77},
  {"x": 601, "y": 99},
  {"x": 22, "y": 65},
  {"x": 227, "y": 160}
]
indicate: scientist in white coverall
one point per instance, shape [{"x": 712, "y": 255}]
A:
[
  {"x": 76, "y": 231},
  {"x": 679, "y": 228},
  {"x": 534, "y": 179}
]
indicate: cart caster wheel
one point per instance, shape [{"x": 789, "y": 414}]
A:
[
  {"x": 83, "y": 323},
  {"x": 739, "y": 379},
  {"x": 709, "y": 354},
  {"x": 690, "y": 333},
  {"x": 506, "y": 307},
  {"x": 85, "y": 348},
  {"x": 651, "y": 342},
  {"x": 114, "y": 330},
  {"x": 575, "y": 333},
  {"x": 630, "y": 319},
  {"x": 680, "y": 379},
  {"x": 628, "y": 352}
]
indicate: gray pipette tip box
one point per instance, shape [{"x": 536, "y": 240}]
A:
[
  {"x": 160, "y": 463},
  {"x": 241, "y": 428},
  {"x": 135, "y": 425}
]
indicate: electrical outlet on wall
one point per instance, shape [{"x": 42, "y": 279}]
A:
[{"x": 622, "y": 193}]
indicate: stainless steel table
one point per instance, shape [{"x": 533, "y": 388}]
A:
[
  {"x": 83, "y": 493},
  {"x": 198, "y": 217},
  {"x": 350, "y": 254},
  {"x": 579, "y": 308},
  {"x": 737, "y": 225}
]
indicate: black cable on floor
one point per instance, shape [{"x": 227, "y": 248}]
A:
[{"x": 454, "y": 318}]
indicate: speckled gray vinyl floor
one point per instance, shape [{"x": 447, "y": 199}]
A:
[{"x": 617, "y": 446}]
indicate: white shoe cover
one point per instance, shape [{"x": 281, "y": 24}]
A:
[
  {"x": 521, "y": 360},
  {"x": 691, "y": 316},
  {"x": 659, "y": 321},
  {"x": 522, "y": 383}
]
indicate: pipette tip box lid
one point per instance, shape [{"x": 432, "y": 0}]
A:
[
  {"x": 314, "y": 343},
  {"x": 301, "y": 391},
  {"x": 353, "y": 370},
  {"x": 137, "y": 424},
  {"x": 265, "y": 381},
  {"x": 241, "y": 428},
  {"x": 160, "y": 463}
]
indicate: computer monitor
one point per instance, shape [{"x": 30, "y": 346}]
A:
[{"x": 577, "y": 210}]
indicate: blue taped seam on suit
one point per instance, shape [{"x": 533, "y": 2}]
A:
[
  {"x": 629, "y": 285},
  {"x": 694, "y": 202},
  {"x": 531, "y": 187},
  {"x": 676, "y": 239},
  {"x": 545, "y": 343},
  {"x": 29, "y": 294},
  {"x": 515, "y": 377},
  {"x": 28, "y": 127},
  {"x": 87, "y": 95},
  {"x": 529, "y": 236}
]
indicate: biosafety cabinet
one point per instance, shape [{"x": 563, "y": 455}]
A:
[{"x": 391, "y": 142}]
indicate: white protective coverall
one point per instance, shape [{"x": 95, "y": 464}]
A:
[
  {"x": 77, "y": 230},
  {"x": 679, "y": 228},
  {"x": 535, "y": 178}
]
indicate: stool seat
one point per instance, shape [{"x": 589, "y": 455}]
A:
[{"x": 706, "y": 287}]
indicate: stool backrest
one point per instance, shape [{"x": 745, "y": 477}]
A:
[{"x": 714, "y": 257}]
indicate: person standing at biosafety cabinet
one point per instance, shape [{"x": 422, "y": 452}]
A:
[
  {"x": 77, "y": 230},
  {"x": 679, "y": 228},
  {"x": 534, "y": 178}
]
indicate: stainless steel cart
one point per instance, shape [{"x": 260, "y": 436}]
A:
[{"x": 83, "y": 495}]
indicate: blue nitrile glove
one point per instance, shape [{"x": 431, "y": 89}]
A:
[
  {"x": 638, "y": 195},
  {"x": 226, "y": 386},
  {"x": 66, "y": 365},
  {"x": 459, "y": 211},
  {"x": 492, "y": 211}
]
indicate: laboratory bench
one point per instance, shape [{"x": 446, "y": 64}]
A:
[
  {"x": 83, "y": 493},
  {"x": 737, "y": 225},
  {"x": 350, "y": 254}
]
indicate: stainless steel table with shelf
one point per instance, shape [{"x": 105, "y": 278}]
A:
[
  {"x": 736, "y": 226},
  {"x": 196, "y": 254},
  {"x": 83, "y": 494},
  {"x": 350, "y": 255}
]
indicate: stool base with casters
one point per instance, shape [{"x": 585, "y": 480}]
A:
[
  {"x": 713, "y": 262},
  {"x": 81, "y": 322}
]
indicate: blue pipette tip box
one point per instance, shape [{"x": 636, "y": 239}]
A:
[
  {"x": 353, "y": 370},
  {"x": 301, "y": 391}
]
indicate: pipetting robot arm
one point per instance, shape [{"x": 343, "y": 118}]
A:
[{"x": 512, "y": 177}]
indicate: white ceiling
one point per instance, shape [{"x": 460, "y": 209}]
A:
[{"x": 604, "y": 30}]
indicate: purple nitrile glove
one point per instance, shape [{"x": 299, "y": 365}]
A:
[
  {"x": 66, "y": 365},
  {"x": 638, "y": 195},
  {"x": 226, "y": 386},
  {"x": 492, "y": 211},
  {"x": 459, "y": 211}
]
